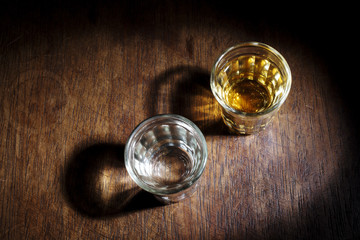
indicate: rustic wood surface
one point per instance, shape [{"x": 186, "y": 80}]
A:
[{"x": 76, "y": 77}]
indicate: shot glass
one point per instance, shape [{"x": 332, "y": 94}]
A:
[
  {"x": 166, "y": 155},
  {"x": 250, "y": 81}
]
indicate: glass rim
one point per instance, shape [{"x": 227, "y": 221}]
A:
[
  {"x": 128, "y": 153},
  {"x": 256, "y": 45}
]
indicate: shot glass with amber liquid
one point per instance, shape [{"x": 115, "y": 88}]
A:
[{"x": 250, "y": 81}]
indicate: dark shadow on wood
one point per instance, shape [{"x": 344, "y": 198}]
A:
[
  {"x": 190, "y": 96},
  {"x": 97, "y": 185}
]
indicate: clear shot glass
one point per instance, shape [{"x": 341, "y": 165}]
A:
[
  {"x": 250, "y": 81},
  {"x": 166, "y": 155}
]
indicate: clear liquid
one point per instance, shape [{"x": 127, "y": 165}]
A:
[
  {"x": 170, "y": 165},
  {"x": 167, "y": 157}
]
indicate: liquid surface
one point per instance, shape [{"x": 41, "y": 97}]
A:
[
  {"x": 250, "y": 83},
  {"x": 247, "y": 96},
  {"x": 169, "y": 165}
]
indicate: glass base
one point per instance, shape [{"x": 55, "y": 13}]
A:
[
  {"x": 176, "y": 197},
  {"x": 245, "y": 126}
]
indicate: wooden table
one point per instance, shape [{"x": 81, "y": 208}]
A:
[{"x": 76, "y": 77}]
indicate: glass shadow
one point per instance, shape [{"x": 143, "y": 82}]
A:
[
  {"x": 185, "y": 90},
  {"x": 97, "y": 185}
]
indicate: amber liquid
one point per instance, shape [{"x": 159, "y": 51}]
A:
[
  {"x": 249, "y": 83},
  {"x": 247, "y": 96}
]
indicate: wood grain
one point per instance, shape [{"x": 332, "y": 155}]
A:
[{"x": 76, "y": 77}]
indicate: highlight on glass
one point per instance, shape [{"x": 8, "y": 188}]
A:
[{"x": 250, "y": 81}]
